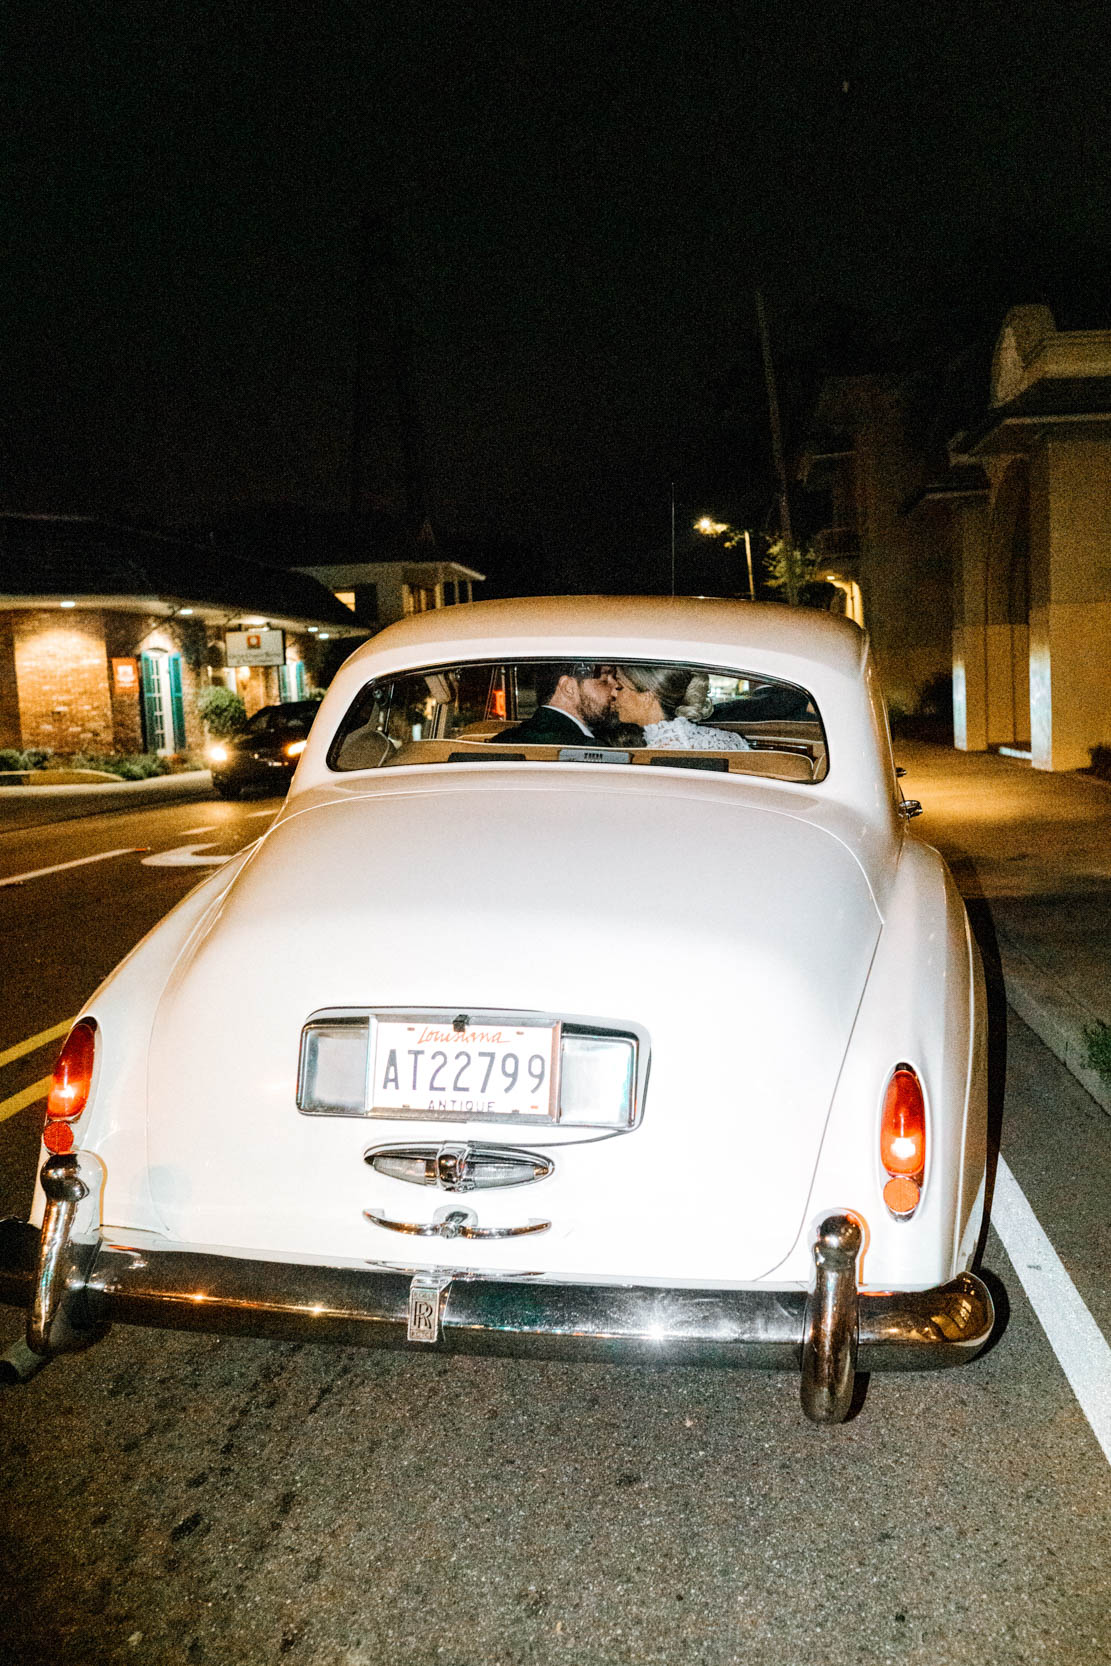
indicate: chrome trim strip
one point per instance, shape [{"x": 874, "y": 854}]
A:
[
  {"x": 178, "y": 1289},
  {"x": 455, "y": 1223}
]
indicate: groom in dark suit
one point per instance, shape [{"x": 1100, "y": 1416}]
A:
[{"x": 573, "y": 702}]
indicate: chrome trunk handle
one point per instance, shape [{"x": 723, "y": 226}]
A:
[{"x": 465, "y": 1167}]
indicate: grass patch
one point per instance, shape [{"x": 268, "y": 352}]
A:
[{"x": 1098, "y": 1039}]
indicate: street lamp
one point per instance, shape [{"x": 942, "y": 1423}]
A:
[{"x": 732, "y": 535}]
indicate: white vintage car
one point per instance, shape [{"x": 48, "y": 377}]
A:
[{"x": 588, "y": 998}]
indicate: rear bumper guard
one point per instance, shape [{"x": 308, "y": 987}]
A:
[{"x": 74, "y": 1286}]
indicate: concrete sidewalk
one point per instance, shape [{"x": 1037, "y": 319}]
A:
[
  {"x": 1035, "y": 850},
  {"x": 38, "y": 806}
]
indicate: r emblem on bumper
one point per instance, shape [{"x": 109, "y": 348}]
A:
[{"x": 424, "y": 1306}]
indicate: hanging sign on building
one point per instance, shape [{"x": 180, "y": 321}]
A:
[
  {"x": 256, "y": 647},
  {"x": 125, "y": 676}
]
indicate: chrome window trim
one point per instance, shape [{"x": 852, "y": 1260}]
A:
[{"x": 335, "y": 745}]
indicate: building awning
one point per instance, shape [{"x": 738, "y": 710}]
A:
[
  {"x": 1066, "y": 406},
  {"x": 964, "y": 480}
]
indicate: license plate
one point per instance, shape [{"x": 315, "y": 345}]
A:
[{"x": 431, "y": 1069}]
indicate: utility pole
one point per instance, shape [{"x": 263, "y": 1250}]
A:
[
  {"x": 673, "y": 537},
  {"x": 773, "y": 415},
  {"x": 386, "y": 436}
]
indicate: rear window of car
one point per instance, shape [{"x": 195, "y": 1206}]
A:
[{"x": 637, "y": 712}]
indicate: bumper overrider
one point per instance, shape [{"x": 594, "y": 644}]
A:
[{"x": 74, "y": 1285}]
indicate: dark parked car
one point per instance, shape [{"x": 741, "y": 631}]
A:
[{"x": 265, "y": 753}]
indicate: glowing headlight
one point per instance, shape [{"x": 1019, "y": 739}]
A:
[
  {"x": 217, "y": 754},
  {"x": 295, "y": 748}
]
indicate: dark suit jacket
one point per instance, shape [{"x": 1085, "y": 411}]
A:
[{"x": 546, "y": 727}]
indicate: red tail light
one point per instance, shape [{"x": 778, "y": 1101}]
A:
[
  {"x": 903, "y": 1140},
  {"x": 72, "y": 1079}
]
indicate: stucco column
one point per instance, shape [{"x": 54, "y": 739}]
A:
[
  {"x": 970, "y": 677},
  {"x": 1070, "y": 601}
]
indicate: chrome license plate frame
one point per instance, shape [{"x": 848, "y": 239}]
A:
[{"x": 422, "y": 1064}]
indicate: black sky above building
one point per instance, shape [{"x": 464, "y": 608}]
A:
[{"x": 583, "y": 200}]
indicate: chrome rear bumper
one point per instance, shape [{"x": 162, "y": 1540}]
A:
[{"x": 74, "y": 1288}]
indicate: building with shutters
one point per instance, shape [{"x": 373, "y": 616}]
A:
[{"x": 109, "y": 632}]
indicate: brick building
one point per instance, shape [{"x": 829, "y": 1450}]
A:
[{"x": 108, "y": 633}]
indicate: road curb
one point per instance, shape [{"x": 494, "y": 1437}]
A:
[
  {"x": 39, "y": 806},
  {"x": 1052, "y": 1013}
]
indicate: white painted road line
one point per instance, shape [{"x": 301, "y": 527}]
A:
[
  {"x": 184, "y": 856},
  {"x": 191, "y": 832},
  {"x": 1074, "y": 1336},
  {"x": 78, "y": 862},
  {"x": 253, "y": 815}
]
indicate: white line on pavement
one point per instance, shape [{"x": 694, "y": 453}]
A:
[
  {"x": 78, "y": 862},
  {"x": 184, "y": 856},
  {"x": 253, "y": 815},
  {"x": 187, "y": 832},
  {"x": 1073, "y": 1334}
]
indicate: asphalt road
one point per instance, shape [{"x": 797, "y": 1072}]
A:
[{"x": 178, "y": 1498}]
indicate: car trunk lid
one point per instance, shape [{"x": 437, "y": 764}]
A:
[{"x": 727, "y": 927}]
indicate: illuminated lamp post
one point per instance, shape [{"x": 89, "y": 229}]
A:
[{"x": 732, "y": 536}]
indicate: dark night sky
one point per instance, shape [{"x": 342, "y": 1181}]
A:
[{"x": 585, "y": 198}]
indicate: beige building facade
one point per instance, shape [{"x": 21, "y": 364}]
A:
[
  {"x": 1032, "y": 556},
  {"x": 989, "y": 559},
  {"x": 876, "y": 554}
]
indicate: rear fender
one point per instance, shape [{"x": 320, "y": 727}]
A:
[
  {"x": 923, "y": 1004},
  {"x": 114, "y": 1125}
]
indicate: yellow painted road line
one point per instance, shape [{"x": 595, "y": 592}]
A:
[
  {"x": 40, "y": 1040},
  {"x": 18, "y": 1101}
]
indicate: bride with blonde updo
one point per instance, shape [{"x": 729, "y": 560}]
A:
[{"x": 668, "y": 703}]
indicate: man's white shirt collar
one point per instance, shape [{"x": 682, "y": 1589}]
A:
[{"x": 587, "y": 732}]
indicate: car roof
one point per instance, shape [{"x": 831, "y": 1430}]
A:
[
  {"x": 685, "y": 627},
  {"x": 826, "y": 655},
  {"x": 290, "y": 708}
]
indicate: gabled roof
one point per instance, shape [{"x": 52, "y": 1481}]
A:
[{"x": 79, "y": 557}]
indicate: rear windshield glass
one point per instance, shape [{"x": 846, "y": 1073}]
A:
[{"x": 638, "y": 713}]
